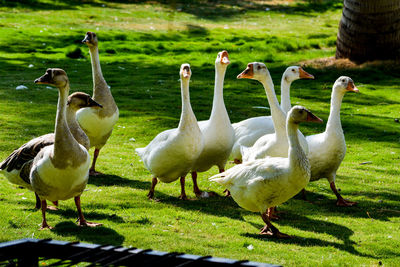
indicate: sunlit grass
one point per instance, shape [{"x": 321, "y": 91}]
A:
[{"x": 141, "y": 49}]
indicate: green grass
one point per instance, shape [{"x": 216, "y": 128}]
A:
[{"x": 142, "y": 46}]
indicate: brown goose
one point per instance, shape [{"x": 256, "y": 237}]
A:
[
  {"x": 17, "y": 166},
  {"x": 98, "y": 123}
]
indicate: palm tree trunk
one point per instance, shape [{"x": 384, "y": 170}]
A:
[{"x": 369, "y": 30}]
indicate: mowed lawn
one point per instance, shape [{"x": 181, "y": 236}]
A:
[{"x": 142, "y": 46}]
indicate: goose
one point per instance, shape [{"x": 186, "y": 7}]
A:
[
  {"x": 98, "y": 123},
  {"x": 276, "y": 144},
  {"x": 217, "y": 130},
  {"x": 60, "y": 171},
  {"x": 264, "y": 183},
  {"x": 16, "y": 167},
  {"x": 171, "y": 154},
  {"x": 327, "y": 149},
  {"x": 248, "y": 131}
]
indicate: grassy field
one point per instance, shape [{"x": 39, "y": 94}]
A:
[{"x": 142, "y": 46}]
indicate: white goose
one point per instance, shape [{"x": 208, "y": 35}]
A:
[
  {"x": 171, "y": 154},
  {"x": 264, "y": 183},
  {"x": 16, "y": 167},
  {"x": 217, "y": 131},
  {"x": 327, "y": 149},
  {"x": 60, "y": 171},
  {"x": 98, "y": 123},
  {"x": 276, "y": 144},
  {"x": 248, "y": 131}
]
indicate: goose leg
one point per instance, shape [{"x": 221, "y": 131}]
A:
[
  {"x": 38, "y": 201},
  {"x": 271, "y": 213},
  {"x": 341, "y": 202},
  {"x": 154, "y": 181},
  {"x": 81, "y": 219},
  {"x": 270, "y": 230},
  {"x": 226, "y": 191},
  {"x": 237, "y": 161},
  {"x": 92, "y": 170},
  {"x": 44, "y": 222},
  {"x": 196, "y": 188},
  {"x": 183, "y": 193}
]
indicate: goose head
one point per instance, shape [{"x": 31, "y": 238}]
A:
[
  {"x": 56, "y": 77},
  {"x": 293, "y": 73},
  {"x": 256, "y": 71},
  {"x": 185, "y": 72},
  {"x": 80, "y": 100},
  {"x": 345, "y": 84},
  {"x": 222, "y": 59},
  {"x": 90, "y": 39},
  {"x": 300, "y": 114}
]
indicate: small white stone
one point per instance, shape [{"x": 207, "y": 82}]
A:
[
  {"x": 250, "y": 247},
  {"x": 132, "y": 139},
  {"x": 21, "y": 87},
  {"x": 31, "y": 66}
]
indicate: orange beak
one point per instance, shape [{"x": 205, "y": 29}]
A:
[
  {"x": 248, "y": 73},
  {"x": 225, "y": 58},
  {"x": 305, "y": 75},
  {"x": 352, "y": 87}
]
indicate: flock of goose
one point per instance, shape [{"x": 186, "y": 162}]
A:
[{"x": 274, "y": 160}]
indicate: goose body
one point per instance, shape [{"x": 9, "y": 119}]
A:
[
  {"x": 264, "y": 183},
  {"x": 328, "y": 149},
  {"x": 217, "y": 131},
  {"x": 17, "y": 166},
  {"x": 276, "y": 144},
  {"x": 60, "y": 171},
  {"x": 98, "y": 124},
  {"x": 171, "y": 154},
  {"x": 248, "y": 131}
]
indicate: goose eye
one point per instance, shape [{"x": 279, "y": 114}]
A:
[
  {"x": 293, "y": 70},
  {"x": 343, "y": 80},
  {"x": 259, "y": 67}
]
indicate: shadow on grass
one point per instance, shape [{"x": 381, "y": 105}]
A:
[
  {"x": 99, "y": 235},
  {"x": 306, "y": 224},
  {"x": 111, "y": 180}
]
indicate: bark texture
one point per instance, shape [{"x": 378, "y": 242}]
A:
[{"x": 369, "y": 30}]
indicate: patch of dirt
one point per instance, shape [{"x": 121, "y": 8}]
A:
[{"x": 344, "y": 63}]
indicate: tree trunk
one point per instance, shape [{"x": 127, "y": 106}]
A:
[{"x": 369, "y": 30}]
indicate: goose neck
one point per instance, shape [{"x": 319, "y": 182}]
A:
[
  {"x": 334, "y": 123},
  {"x": 296, "y": 154},
  {"x": 98, "y": 79},
  {"x": 74, "y": 127},
  {"x": 218, "y": 99},
  {"x": 277, "y": 114},
  {"x": 63, "y": 137},
  {"x": 285, "y": 94},
  {"x": 187, "y": 115}
]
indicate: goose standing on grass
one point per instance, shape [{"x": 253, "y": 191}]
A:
[
  {"x": 248, "y": 131},
  {"x": 171, "y": 154},
  {"x": 218, "y": 133},
  {"x": 276, "y": 144},
  {"x": 60, "y": 171},
  {"x": 98, "y": 123},
  {"x": 16, "y": 167},
  {"x": 264, "y": 183},
  {"x": 327, "y": 149}
]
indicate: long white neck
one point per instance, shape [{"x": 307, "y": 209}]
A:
[
  {"x": 285, "y": 94},
  {"x": 187, "y": 115},
  {"x": 63, "y": 137},
  {"x": 277, "y": 114},
  {"x": 218, "y": 108},
  {"x": 74, "y": 127},
  {"x": 334, "y": 124},
  {"x": 296, "y": 155},
  {"x": 100, "y": 86}
]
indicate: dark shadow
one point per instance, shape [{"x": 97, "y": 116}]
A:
[
  {"x": 95, "y": 235},
  {"x": 112, "y": 180},
  {"x": 48, "y": 5},
  {"x": 89, "y": 215}
]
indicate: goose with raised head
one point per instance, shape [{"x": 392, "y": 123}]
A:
[
  {"x": 260, "y": 184},
  {"x": 248, "y": 131},
  {"x": 98, "y": 123},
  {"x": 327, "y": 149},
  {"x": 171, "y": 154},
  {"x": 218, "y": 133},
  {"x": 270, "y": 145},
  {"x": 60, "y": 171},
  {"x": 16, "y": 167}
]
